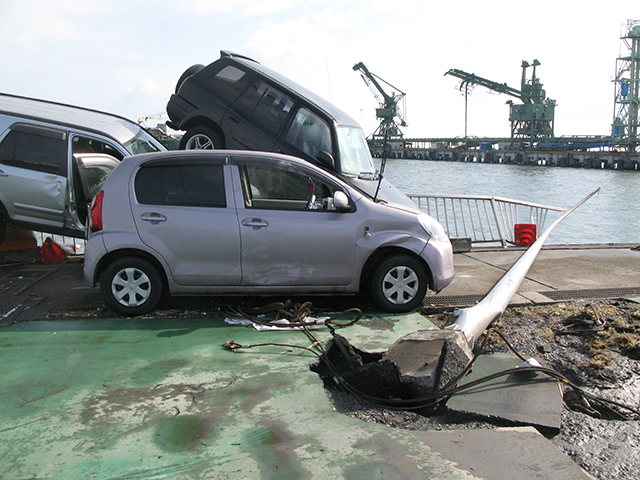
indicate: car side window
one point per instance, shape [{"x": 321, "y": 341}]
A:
[
  {"x": 273, "y": 109},
  {"x": 229, "y": 82},
  {"x": 82, "y": 144},
  {"x": 35, "y": 148},
  {"x": 309, "y": 133},
  {"x": 183, "y": 185},
  {"x": 280, "y": 187},
  {"x": 266, "y": 105}
]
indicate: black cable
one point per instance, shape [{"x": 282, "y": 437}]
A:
[{"x": 443, "y": 393}]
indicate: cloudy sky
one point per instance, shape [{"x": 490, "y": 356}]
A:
[{"x": 125, "y": 57}]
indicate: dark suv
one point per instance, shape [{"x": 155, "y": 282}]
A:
[{"x": 237, "y": 103}]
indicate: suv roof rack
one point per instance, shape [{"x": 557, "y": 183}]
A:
[{"x": 227, "y": 53}]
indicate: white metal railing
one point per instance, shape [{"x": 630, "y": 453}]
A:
[{"x": 483, "y": 219}]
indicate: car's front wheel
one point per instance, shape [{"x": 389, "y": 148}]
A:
[
  {"x": 399, "y": 284},
  {"x": 200, "y": 138},
  {"x": 131, "y": 286}
]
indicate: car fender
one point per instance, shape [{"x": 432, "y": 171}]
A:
[
  {"x": 371, "y": 249},
  {"x": 204, "y": 118},
  {"x": 394, "y": 239},
  {"x": 128, "y": 243}
]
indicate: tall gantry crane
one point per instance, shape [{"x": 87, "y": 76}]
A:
[
  {"x": 531, "y": 119},
  {"x": 626, "y": 115},
  {"x": 389, "y": 112}
]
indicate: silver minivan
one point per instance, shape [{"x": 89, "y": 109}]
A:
[
  {"x": 55, "y": 157},
  {"x": 203, "y": 222}
]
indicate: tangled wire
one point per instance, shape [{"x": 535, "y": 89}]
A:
[{"x": 298, "y": 314}]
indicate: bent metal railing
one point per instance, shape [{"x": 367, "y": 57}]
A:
[{"x": 483, "y": 219}]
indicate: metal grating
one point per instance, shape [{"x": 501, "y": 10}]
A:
[
  {"x": 591, "y": 293},
  {"x": 19, "y": 280},
  {"x": 29, "y": 273},
  {"x": 451, "y": 300},
  {"x": 7, "y": 305}
]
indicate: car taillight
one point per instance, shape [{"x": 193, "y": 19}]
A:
[{"x": 96, "y": 212}]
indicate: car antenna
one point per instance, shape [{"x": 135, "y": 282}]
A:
[{"x": 382, "y": 165}]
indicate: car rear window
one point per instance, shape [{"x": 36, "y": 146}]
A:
[{"x": 183, "y": 185}]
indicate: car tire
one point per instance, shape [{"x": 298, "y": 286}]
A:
[
  {"x": 200, "y": 138},
  {"x": 192, "y": 70},
  {"x": 131, "y": 286},
  {"x": 399, "y": 284}
]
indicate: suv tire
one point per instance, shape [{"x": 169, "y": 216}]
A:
[
  {"x": 192, "y": 70},
  {"x": 399, "y": 284},
  {"x": 201, "y": 138},
  {"x": 131, "y": 286}
]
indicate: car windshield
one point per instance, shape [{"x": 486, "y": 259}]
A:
[
  {"x": 143, "y": 143},
  {"x": 355, "y": 157}
]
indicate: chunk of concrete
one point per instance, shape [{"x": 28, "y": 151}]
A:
[
  {"x": 430, "y": 359},
  {"x": 526, "y": 398}
]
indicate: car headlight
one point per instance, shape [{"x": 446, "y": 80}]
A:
[{"x": 433, "y": 227}]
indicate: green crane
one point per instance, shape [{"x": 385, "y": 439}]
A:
[
  {"x": 626, "y": 118},
  {"x": 531, "y": 119},
  {"x": 389, "y": 111}
]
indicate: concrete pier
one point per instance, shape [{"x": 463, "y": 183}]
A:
[{"x": 88, "y": 395}]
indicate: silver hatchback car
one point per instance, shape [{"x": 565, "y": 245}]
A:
[{"x": 207, "y": 222}]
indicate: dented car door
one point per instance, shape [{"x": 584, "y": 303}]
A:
[
  {"x": 291, "y": 234},
  {"x": 33, "y": 174}
]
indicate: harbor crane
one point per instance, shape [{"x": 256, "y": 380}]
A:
[
  {"x": 626, "y": 118},
  {"x": 531, "y": 119},
  {"x": 389, "y": 112}
]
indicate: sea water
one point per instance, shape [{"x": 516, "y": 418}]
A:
[{"x": 611, "y": 216}]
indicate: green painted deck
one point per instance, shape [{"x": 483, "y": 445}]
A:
[{"x": 161, "y": 398}]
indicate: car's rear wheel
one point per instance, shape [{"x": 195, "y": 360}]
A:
[
  {"x": 131, "y": 286},
  {"x": 200, "y": 138},
  {"x": 399, "y": 284}
]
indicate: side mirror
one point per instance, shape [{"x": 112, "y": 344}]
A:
[
  {"x": 326, "y": 160},
  {"x": 341, "y": 201}
]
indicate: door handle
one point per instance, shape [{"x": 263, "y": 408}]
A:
[
  {"x": 2, "y": 174},
  {"x": 153, "y": 217},
  {"x": 234, "y": 119},
  {"x": 255, "y": 222}
]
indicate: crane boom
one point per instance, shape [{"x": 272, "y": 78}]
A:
[
  {"x": 531, "y": 119},
  {"x": 473, "y": 79}
]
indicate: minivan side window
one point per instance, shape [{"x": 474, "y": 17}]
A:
[
  {"x": 229, "y": 82},
  {"x": 91, "y": 145},
  {"x": 309, "y": 133},
  {"x": 280, "y": 188},
  {"x": 184, "y": 185},
  {"x": 36, "y": 148}
]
